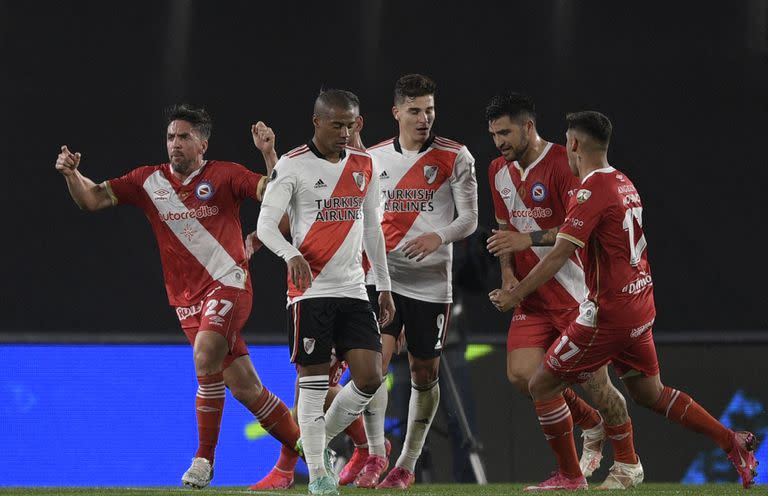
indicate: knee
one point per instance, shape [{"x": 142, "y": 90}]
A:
[
  {"x": 424, "y": 373},
  {"x": 369, "y": 383},
  {"x": 519, "y": 380},
  {"x": 205, "y": 361}
]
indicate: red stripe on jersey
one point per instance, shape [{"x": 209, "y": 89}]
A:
[
  {"x": 296, "y": 311},
  {"x": 397, "y": 224},
  {"x": 448, "y": 143},
  {"x": 383, "y": 143},
  {"x": 298, "y": 151},
  {"x": 324, "y": 238}
]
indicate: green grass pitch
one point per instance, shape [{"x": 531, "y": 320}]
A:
[{"x": 417, "y": 490}]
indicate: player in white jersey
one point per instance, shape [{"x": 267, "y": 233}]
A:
[
  {"x": 425, "y": 180},
  {"x": 330, "y": 193}
]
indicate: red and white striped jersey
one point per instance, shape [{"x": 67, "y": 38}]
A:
[
  {"x": 534, "y": 199},
  {"x": 420, "y": 192},
  {"x": 196, "y": 223},
  {"x": 326, "y": 203}
]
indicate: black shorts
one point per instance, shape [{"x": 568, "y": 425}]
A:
[
  {"x": 425, "y": 324},
  {"x": 315, "y": 325}
]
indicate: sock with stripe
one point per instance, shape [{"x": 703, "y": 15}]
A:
[
  {"x": 421, "y": 410},
  {"x": 583, "y": 415},
  {"x": 622, "y": 441},
  {"x": 275, "y": 417},
  {"x": 312, "y": 391},
  {"x": 346, "y": 407},
  {"x": 682, "y": 409},
  {"x": 209, "y": 405},
  {"x": 557, "y": 424},
  {"x": 373, "y": 418}
]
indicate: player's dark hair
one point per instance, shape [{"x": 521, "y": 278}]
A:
[
  {"x": 516, "y": 106},
  {"x": 596, "y": 125},
  {"x": 338, "y": 99},
  {"x": 412, "y": 86},
  {"x": 198, "y": 117}
]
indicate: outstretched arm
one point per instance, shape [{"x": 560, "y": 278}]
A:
[
  {"x": 505, "y": 242},
  {"x": 86, "y": 194}
]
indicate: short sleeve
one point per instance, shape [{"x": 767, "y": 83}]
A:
[
  {"x": 246, "y": 183},
  {"x": 129, "y": 188},
  {"x": 585, "y": 211},
  {"x": 281, "y": 186}
]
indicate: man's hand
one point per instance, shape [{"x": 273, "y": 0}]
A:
[
  {"x": 263, "y": 138},
  {"x": 421, "y": 246},
  {"x": 503, "y": 242},
  {"x": 503, "y": 299},
  {"x": 386, "y": 308},
  {"x": 252, "y": 245},
  {"x": 300, "y": 273},
  {"x": 67, "y": 162}
]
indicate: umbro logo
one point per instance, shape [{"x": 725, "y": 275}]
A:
[
  {"x": 384, "y": 175},
  {"x": 320, "y": 184}
]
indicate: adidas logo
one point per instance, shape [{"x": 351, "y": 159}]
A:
[
  {"x": 320, "y": 184},
  {"x": 384, "y": 175}
]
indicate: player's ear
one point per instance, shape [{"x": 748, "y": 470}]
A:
[
  {"x": 315, "y": 121},
  {"x": 396, "y": 113},
  {"x": 204, "y": 146}
]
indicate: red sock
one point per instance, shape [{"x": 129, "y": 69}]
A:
[
  {"x": 275, "y": 418},
  {"x": 209, "y": 404},
  {"x": 679, "y": 407},
  {"x": 557, "y": 424},
  {"x": 622, "y": 441},
  {"x": 287, "y": 460},
  {"x": 356, "y": 432},
  {"x": 584, "y": 415}
]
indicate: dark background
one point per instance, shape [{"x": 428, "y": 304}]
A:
[{"x": 684, "y": 83}]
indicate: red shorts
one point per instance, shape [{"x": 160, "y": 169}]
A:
[
  {"x": 224, "y": 311},
  {"x": 538, "y": 329},
  {"x": 582, "y": 350}
]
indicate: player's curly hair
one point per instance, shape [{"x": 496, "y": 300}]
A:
[
  {"x": 514, "y": 105},
  {"x": 412, "y": 86},
  {"x": 198, "y": 117},
  {"x": 596, "y": 125}
]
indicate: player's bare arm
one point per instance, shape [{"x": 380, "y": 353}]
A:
[
  {"x": 504, "y": 242},
  {"x": 386, "y": 308},
  {"x": 505, "y": 299},
  {"x": 264, "y": 139},
  {"x": 86, "y": 194},
  {"x": 421, "y": 246},
  {"x": 507, "y": 265}
]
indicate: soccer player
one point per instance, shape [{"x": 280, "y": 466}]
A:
[
  {"x": 531, "y": 184},
  {"x": 330, "y": 194},
  {"x": 604, "y": 222},
  {"x": 424, "y": 180},
  {"x": 193, "y": 207}
]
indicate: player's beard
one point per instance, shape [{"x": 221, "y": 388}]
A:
[{"x": 184, "y": 167}]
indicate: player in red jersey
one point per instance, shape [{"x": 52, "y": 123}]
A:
[
  {"x": 193, "y": 207},
  {"x": 531, "y": 184},
  {"x": 605, "y": 223}
]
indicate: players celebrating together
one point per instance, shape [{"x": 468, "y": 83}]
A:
[{"x": 571, "y": 248}]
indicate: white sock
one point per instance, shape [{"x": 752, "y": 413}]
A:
[
  {"x": 346, "y": 406},
  {"x": 421, "y": 411},
  {"x": 312, "y": 392},
  {"x": 373, "y": 418}
]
